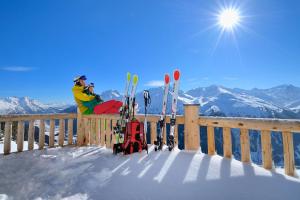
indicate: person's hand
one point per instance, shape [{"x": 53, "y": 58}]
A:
[{"x": 91, "y": 90}]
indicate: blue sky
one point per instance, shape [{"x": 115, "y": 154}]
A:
[{"x": 44, "y": 44}]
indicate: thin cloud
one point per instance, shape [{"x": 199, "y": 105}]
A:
[
  {"x": 17, "y": 69},
  {"x": 155, "y": 83},
  {"x": 228, "y": 78}
]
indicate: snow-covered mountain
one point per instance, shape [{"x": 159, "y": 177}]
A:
[
  {"x": 283, "y": 95},
  {"x": 277, "y": 102},
  {"x": 111, "y": 94},
  {"x": 25, "y": 105},
  {"x": 220, "y": 101}
]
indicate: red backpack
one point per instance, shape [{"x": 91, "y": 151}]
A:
[{"x": 135, "y": 137}]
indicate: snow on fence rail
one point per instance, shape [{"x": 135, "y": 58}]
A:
[{"x": 98, "y": 130}]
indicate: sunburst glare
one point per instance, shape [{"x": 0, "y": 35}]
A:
[{"x": 229, "y": 18}]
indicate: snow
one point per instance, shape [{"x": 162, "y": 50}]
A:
[
  {"x": 189, "y": 96},
  {"x": 296, "y": 108},
  {"x": 24, "y": 105},
  {"x": 213, "y": 109},
  {"x": 95, "y": 173},
  {"x": 256, "y": 102},
  {"x": 13, "y": 146},
  {"x": 115, "y": 94},
  {"x": 223, "y": 90},
  {"x": 185, "y": 100}
]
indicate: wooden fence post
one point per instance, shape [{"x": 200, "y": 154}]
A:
[
  {"x": 20, "y": 136},
  {"x": 97, "y": 132},
  {"x": 70, "y": 131},
  {"x": 102, "y": 132},
  {"x": 113, "y": 141},
  {"x": 211, "y": 140},
  {"x": 289, "y": 160},
  {"x": 31, "y": 135},
  {"x": 153, "y": 132},
  {"x": 7, "y": 137},
  {"x": 227, "y": 144},
  {"x": 42, "y": 135},
  {"x": 86, "y": 128},
  {"x": 80, "y": 130},
  {"x": 51, "y": 133},
  {"x": 266, "y": 149},
  {"x": 61, "y": 135},
  {"x": 191, "y": 126},
  {"x": 245, "y": 146},
  {"x": 92, "y": 131},
  {"x": 108, "y": 134}
]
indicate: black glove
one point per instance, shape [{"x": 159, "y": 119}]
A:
[
  {"x": 86, "y": 91},
  {"x": 98, "y": 98}
]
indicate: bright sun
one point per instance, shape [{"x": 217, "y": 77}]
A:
[{"x": 229, "y": 18}]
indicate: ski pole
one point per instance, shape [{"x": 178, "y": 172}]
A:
[{"x": 147, "y": 101}]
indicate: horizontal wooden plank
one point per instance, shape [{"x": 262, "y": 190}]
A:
[
  {"x": 29, "y": 117},
  {"x": 252, "y": 123},
  {"x": 231, "y": 122},
  {"x": 155, "y": 118},
  {"x": 104, "y": 116},
  {"x": 140, "y": 117}
]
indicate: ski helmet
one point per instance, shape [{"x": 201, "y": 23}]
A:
[{"x": 82, "y": 77}]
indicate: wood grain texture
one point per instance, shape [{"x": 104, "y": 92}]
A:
[
  {"x": 288, "y": 149},
  {"x": 266, "y": 149}
]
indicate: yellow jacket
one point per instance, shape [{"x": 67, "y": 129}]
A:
[{"x": 79, "y": 96}]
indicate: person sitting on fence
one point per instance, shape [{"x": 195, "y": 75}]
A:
[
  {"x": 90, "y": 103},
  {"x": 89, "y": 90}
]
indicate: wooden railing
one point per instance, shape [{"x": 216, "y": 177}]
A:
[
  {"x": 98, "y": 130},
  {"x": 265, "y": 126},
  {"x": 21, "y": 119},
  {"x": 100, "y": 126}
]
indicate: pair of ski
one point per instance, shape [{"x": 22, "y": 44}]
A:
[
  {"x": 129, "y": 101},
  {"x": 127, "y": 109},
  {"x": 162, "y": 121}
]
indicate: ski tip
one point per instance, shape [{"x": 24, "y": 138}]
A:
[
  {"x": 167, "y": 78},
  {"x": 176, "y": 74},
  {"x": 128, "y": 76},
  {"x": 135, "y": 79}
]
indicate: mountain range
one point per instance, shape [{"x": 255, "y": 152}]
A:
[
  {"x": 26, "y": 105},
  {"x": 278, "y": 102}
]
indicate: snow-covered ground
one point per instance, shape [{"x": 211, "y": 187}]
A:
[
  {"x": 94, "y": 173},
  {"x": 14, "y": 146}
]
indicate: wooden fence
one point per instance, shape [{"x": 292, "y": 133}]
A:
[
  {"x": 31, "y": 119},
  {"x": 98, "y": 130}
]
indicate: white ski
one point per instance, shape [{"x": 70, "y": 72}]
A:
[
  {"x": 121, "y": 123},
  {"x": 159, "y": 142},
  {"x": 174, "y": 109}
]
